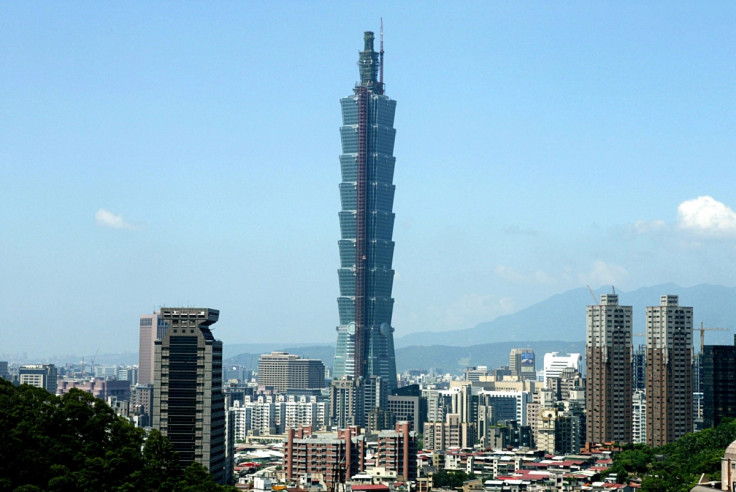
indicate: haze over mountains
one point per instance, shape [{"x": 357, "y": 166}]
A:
[
  {"x": 562, "y": 317},
  {"x": 555, "y": 324}
]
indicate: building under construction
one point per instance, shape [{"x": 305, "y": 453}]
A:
[{"x": 365, "y": 345}]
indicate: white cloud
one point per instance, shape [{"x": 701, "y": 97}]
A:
[
  {"x": 706, "y": 215},
  {"x": 105, "y": 218},
  {"x": 604, "y": 273},
  {"x": 514, "y": 276}
]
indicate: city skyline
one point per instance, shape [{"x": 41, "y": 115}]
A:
[{"x": 543, "y": 148}]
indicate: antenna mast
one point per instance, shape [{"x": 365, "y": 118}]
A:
[{"x": 380, "y": 63}]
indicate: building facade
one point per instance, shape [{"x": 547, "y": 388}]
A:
[
  {"x": 609, "y": 380},
  {"x": 639, "y": 422},
  {"x": 669, "y": 375},
  {"x": 718, "y": 383},
  {"x": 522, "y": 364},
  {"x": 365, "y": 344},
  {"x": 555, "y": 363},
  {"x": 39, "y": 375},
  {"x": 333, "y": 457},
  {"x": 99, "y": 388},
  {"x": 408, "y": 408},
  {"x": 397, "y": 451},
  {"x": 286, "y": 371},
  {"x": 188, "y": 405},
  {"x": 152, "y": 328}
]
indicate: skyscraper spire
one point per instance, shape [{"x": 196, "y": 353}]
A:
[{"x": 368, "y": 64}]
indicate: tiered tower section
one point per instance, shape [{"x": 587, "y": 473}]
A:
[{"x": 365, "y": 344}]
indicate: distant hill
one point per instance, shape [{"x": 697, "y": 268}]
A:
[
  {"x": 562, "y": 317},
  {"x": 441, "y": 358}
]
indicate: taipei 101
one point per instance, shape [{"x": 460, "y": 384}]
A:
[{"x": 368, "y": 247}]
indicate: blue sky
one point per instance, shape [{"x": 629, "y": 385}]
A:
[{"x": 183, "y": 153}]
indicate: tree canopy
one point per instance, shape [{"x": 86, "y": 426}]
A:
[
  {"x": 77, "y": 442},
  {"x": 679, "y": 465}
]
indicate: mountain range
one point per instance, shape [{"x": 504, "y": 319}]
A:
[
  {"x": 562, "y": 317},
  {"x": 556, "y": 324}
]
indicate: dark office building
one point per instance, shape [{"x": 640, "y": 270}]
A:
[
  {"x": 719, "y": 383},
  {"x": 188, "y": 405}
]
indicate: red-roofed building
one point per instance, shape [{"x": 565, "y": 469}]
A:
[
  {"x": 370, "y": 488},
  {"x": 335, "y": 456}
]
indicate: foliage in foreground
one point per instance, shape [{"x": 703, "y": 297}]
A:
[
  {"x": 677, "y": 466},
  {"x": 76, "y": 442}
]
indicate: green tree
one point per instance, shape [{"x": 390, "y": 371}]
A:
[
  {"x": 450, "y": 478},
  {"x": 77, "y": 442}
]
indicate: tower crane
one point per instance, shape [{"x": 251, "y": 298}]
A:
[
  {"x": 590, "y": 289},
  {"x": 703, "y": 329}
]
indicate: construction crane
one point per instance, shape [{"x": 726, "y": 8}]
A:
[
  {"x": 595, "y": 299},
  {"x": 703, "y": 329}
]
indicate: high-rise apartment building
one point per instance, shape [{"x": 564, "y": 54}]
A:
[
  {"x": 286, "y": 371},
  {"x": 152, "y": 328},
  {"x": 188, "y": 405},
  {"x": 608, "y": 353},
  {"x": 365, "y": 344},
  {"x": 669, "y": 363}
]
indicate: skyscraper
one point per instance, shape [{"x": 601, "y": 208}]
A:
[
  {"x": 188, "y": 405},
  {"x": 608, "y": 353},
  {"x": 669, "y": 371},
  {"x": 365, "y": 344}
]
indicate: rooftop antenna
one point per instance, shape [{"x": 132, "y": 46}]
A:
[{"x": 380, "y": 62}]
